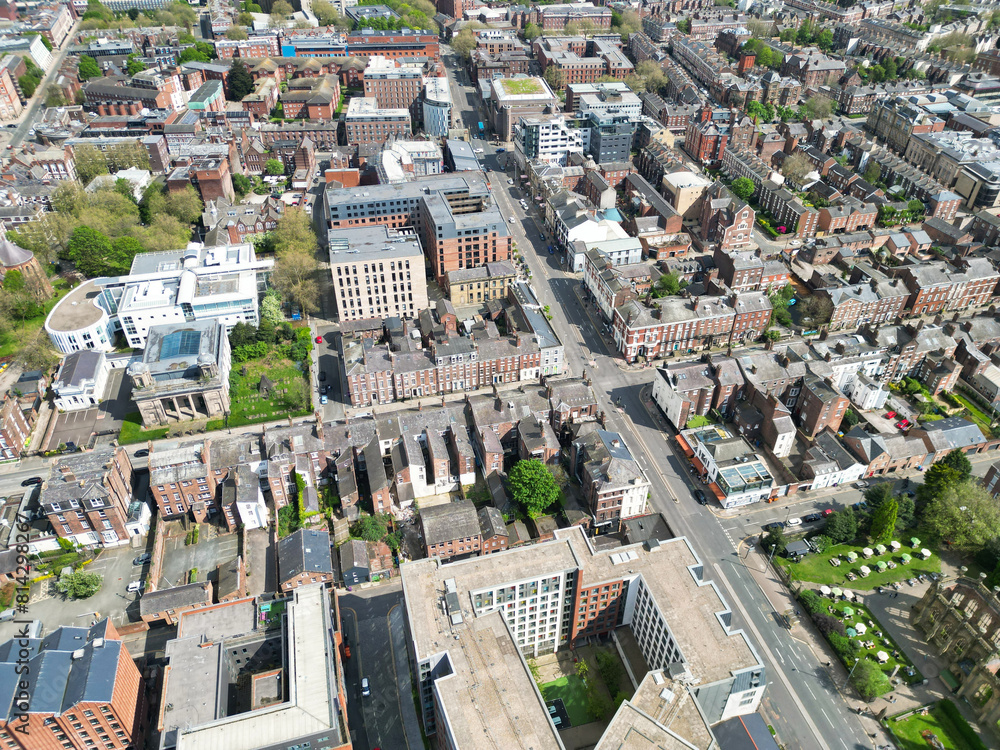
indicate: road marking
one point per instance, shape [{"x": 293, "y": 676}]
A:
[{"x": 823, "y": 711}]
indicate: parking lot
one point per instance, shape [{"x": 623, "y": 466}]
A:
[
  {"x": 76, "y": 427},
  {"x": 210, "y": 552}
]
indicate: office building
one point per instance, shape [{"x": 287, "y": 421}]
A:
[
  {"x": 437, "y": 106},
  {"x": 736, "y": 475},
  {"x": 367, "y": 122},
  {"x": 510, "y": 99},
  {"x": 394, "y": 87}
]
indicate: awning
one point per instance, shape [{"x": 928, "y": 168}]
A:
[
  {"x": 717, "y": 492},
  {"x": 698, "y": 465},
  {"x": 683, "y": 444}
]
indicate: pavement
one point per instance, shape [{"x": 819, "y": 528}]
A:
[{"x": 375, "y": 630}]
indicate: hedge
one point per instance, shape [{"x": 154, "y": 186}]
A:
[{"x": 969, "y": 735}]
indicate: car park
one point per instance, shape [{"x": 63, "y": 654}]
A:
[
  {"x": 142, "y": 559},
  {"x": 794, "y": 521}
]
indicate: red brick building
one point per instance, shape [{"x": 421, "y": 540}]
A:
[
  {"x": 304, "y": 558},
  {"x": 938, "y": 286},
  {"x": 725, "y": 219},
  {"x": 87, "y": 497},
  {"x": 713, "y": 130},
  {"x": 821, "y": 406},
  {"x": 849, "y": 216},
  {"x": 166, "y": 606},
  {"x": 14, "y": 428},
  {"x": 452, "y": 530}
]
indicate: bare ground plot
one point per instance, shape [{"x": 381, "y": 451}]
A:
[{"x": 206, "y": 555}]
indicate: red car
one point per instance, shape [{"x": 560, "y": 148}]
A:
[
  {"x": 828, "y": 512},
  {"x": 903, "y": 424},
  {"x": 319, "y": 339},
  {"x": 890, "y": 415}
]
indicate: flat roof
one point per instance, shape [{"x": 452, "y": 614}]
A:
[
  {"x": 362, "y": 244},
  {"x": 77, "y": 310}
]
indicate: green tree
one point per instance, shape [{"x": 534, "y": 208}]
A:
[
  {"x": 936, "y": 479},
  {"x": 79, "y": 584},
  {"x": 796, "y": 167},
  {"x": 905, "y": 516},
  {"x": 13, "y": 281},
  {"x": 236, "y": 33},
  {"x": 240, "y": 82},
  {"x": 883, "y": 523},
  {"x": 684, "y": 26},
  {"x": 185, "y": 205},
  {"x": 964, "y": 514},
  {"x": 553, "y": 76},
  {"x": 88, "y": 249},
  {"x": 463, "y": 43},
  {"x": 193, "y": 54},
  {"x": 533, "y": 487},
  {"x": 54, "y": 97},
  {"x": 816, "y": 108},
  {"x": 743, "y": 188},
  {"x": 371, "y": 528},
  {"x": 763, "y": 112},
  {"x": 774, "y": 542},
  {"x": 816, "y": 310},
  {"x": 134, "y": 65},
  {"x": 281, "y": 10},
  {"x": 123, "y": 252},
  {"x": 877, "y": 494},
  {"x": 824, "y": 40},
  {"x": 873, "y": 172},
  {"x": 842, "y": 526},
  {"x": 869, "y": 680},
  {"x": 531, "y": 32},
  {"x": 610, "y": 668},
  {"x": 243, "y": 334},
  {"x": 270, "y": 308},
  {"x": 850, "y": 419},
  {"x": 242, "y": 184},
  {"x": 958, "y": 461},
  {"x": 274, "y": 167},
  {"x": 88, "y": 68}
]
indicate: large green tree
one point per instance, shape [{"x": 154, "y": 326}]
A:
[
  {"x": 883, "y": 524},
  {"x": 274, "y": 167},
  {"x": 79, "y": 584},
  {"x": 958, "y": 461},
  {"x": 89, "y": 250},
  {"x": 869, "y": 680},
  {"x": 240, "y": 81},
  {"x": 88, "y": 68},
  {"x": 743, "y": 188},
  {"x": 842, "y": 526},
  {"x": 964, "y": 514},
  {"x": 533, "y": 487}
]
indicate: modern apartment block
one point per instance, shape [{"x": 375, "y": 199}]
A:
[
  {"x": 463, "y": 616},
  {"x": 510, "y": 99},
  {"x": 77, "y": 689},
  {"x": 455, "y": 216},
  {"x": 377, "y": 272},
  {"x": 549, "y": 140},
  {"x": 367, "y": 121}
]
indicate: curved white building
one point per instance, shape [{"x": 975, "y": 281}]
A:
[
  {"x": 79, "y": 321},
  {"x": 437, "y": 106}
]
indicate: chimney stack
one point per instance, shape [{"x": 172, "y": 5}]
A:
[{"x": 319, "y": 425}]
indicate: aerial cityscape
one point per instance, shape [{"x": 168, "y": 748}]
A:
[{"x": 456, "y": 374}]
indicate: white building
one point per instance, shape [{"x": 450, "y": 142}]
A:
[
  {"x": 609, "y": 102},
  {"x": 199, "y": 283},
  {"x": 987, "y": 384},
  {"x": 829, "y": 464},
  {"x": 401, "y": 161},
  {"x": 549, "y": 140},
  {"x": 867, "y": 394},
  {"x": 437, "y": 106},
  {"x": 81, "y": 379},
  {"x": 736, "y": 474},
  {"x": 463, "y": 616}
]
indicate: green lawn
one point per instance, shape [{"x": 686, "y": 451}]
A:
[
  {"x": 974, "y": 413},
  {"x": 908, "y": 731},
  {"x": 515, "y": 86},
  {"x": 573, "y": 693},
  {"x": 23, "y": 333},
  {"x": 249, "y": 406},
  {"x": 862, "y": 614},
  {"x": 817, "y": 568},
  {"x": 132, "y": 431},
  {"x": 698, "y": 420}
]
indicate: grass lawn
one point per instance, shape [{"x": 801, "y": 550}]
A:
[
  {"x": 909, "y": 731},
  {"x": 132, "y": 431},
  {"x": 521, "y": 86},
  {"x": 862, "y": 614},
  {"x": 817, "y": 568},
  {"x": 573, "y": 694},
  {"x": 974, "y": 413},
  {"x": 698, "y": 420},
  {"x": 250, "y": 406},
  {"x": 24, "y": 333}
]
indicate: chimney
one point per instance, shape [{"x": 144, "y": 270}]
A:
[
  {"x": 206, "y": 456},
  {"x": 289, "y": 420},
  {"x": 602, "y": 419},
  {"x": 236, "y": 476},
  {"x": 319, "y": 425},
  {"x": 149, "y": 446}
]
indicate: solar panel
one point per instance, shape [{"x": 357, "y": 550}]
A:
[{"x": 180, "y": 344}]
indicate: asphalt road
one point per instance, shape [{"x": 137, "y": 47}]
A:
[
  {"x": 801, "y": 702},
  {"x": 38, "y": 100}
]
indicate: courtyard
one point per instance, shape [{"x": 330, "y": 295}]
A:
[{"x": 916, "y": 730}]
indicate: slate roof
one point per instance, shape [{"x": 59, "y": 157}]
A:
[
  {"x": 448, "y": 522},
  {"x": 354, "y": 554},
  {"x": 175, "y": 598},
  {"x": 491, "y": 522},
  {"x": 953, "y": 432},
  {"x": 79, "y": 367},
  {"x": 305, "y": 551}
]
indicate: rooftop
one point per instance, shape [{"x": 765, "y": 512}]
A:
[{"x": 77, "y": 309}]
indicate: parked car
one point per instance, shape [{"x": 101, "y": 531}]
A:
[
  {"x": 794, "y": 521},
  {"x": 827, "y": 512},
  {"x": 323, "y": 399},
  {"x": 812, "y": 517},
  {"x": 322, "y": 376},
  {"x": 861, "y": 505},
  {"x": 700, "y": 496},
  {"x": 141, "y": 452},
  {"x": 319, "y": 339},
  {"x": 477, "y": 151},
  {"x": 890, "y": 414},
  {"x": 366, "y": 689},
  {"x": 511, "y": 219},
  {"x": 134, "y": 586},
  {"x": 903, "y": 424},
  {"x": 861, "y": 485},
  {"x": 142, "y": 559},
  {"x": 510, "y": 181},
  {"x": 30, "y": 481},
  {"x": 773, "y": 525}
]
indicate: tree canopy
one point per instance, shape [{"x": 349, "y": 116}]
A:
[
  {"x": 743, "y": 188},
  {"x": 533, "y": 487},
  {"x": 240, "y": 81},
  {"x": 88, "y": 68},
  {"x": 79, "y": 584},
  {"x": 842, "y": 526},
  {"x": 964, "y": 514}
]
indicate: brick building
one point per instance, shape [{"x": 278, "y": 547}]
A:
[
  {"x": 714, "y": 130},
  {"x": 725, "y": 219},
  {"x": 14, "y": 428},
  {"x": 451, "y": 530},
  {"x": 821, "y": 406},
  {"x": 304, "y": 558}
]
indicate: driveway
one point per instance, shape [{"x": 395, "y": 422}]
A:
[
  {"x": 375, "y": 630},
  {"x": 210, "y": 552}
]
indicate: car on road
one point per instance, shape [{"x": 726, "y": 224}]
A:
[
  {"x": 141, "y": 453},
  {"x": 861, "y": 485},
  {"x": 134, "y": 586},
  {"x": 142, "y": 559},
  {"x": 322, "y": 376},
  {"x": 890, "y": 414},
  {"x": 812, "y": 517},
  {"x": 700, "y": 497},
  {"x": 323, "y": 399},
  {"x": 827, "y": 512},
  {"x": 30, "y": 481},
  {"x": 501, "y": 150},
  {"x": 324, "y": 389},
  {"x": 860, "y": 505},
  {"x": 794, "y": 521},
  {"x": 551, "y": 250},
  {"x": 319, "y": 339},
  {"x": 511, "y": 219},
  {"x": 773, "y": 525},
  {"x": 366, "y": 689},
  {"x": 903, "y": 424}
]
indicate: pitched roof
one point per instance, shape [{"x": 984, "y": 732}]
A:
[
  {"x": 176, "y": 597},
  {"x": 305, "y": 551},
  {"x": 445, "y": 523}
]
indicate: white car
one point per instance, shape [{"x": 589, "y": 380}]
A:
[
  {"x": 510, "y": 181},
  {"x": 794, "y": 521},
  {"x": 511, "y": 219},
  {"x": 134, "y": 586},
  {"x": 477, "y": 151}
]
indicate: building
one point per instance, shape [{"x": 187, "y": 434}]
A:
[
  {"x": 80, "y": 381},
  {"x": 458, "y": 221},
  {"x": 451, "y": 531},
  {"x": 685, "y": 190},
  {"x": 437, "y": 106},
  {"x": 821, "y": 407},
  {"x": 304, "y": 558},
  {"x": 77, "y": 688},
  {"x": 563, "y": 592},
  {"x": 736, "y": 475},
  {"x": 368, "y": 123},
  {"x": 613, "y": 484},
  {"x": 812, "y": 68},
  {"x": 549, "y": 140},
  {"x": 713, "y": 131},
  {"x": 510, "y": 99},
  {"x": 938, "y": 286},
  {"x": 168, "y": 605},
  {"x": 485, "y": 283},
  {"x": 292, "y": 667},
  {"x": 726, "y": 221},
  {"x": 14, "y": 429},
  {"x": 183, "y": 374},
  {"x": 393, "y": 87},
  {"x": 87, "y": 497},
  {"x": 372, "y": 275},
  {"x": 355, "y": 566}
]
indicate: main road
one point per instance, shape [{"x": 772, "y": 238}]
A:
[{"x": 802, "y": 702}]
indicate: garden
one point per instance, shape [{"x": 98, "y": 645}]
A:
[
  {"x": 885, "y": 566},
  {"x": 858, "y": 638},
  {"x": 937, "y": 725},
  {"x": 593, "y": 691}
]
